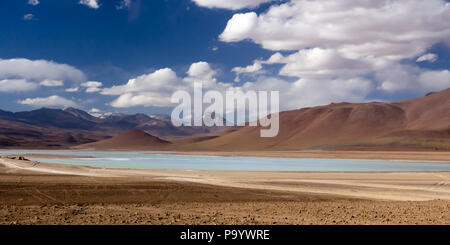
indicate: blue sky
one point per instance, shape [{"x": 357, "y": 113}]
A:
[{"x": 98, "y": 41}]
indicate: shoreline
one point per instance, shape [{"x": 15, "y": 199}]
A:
[
  {"x": 399, "y": 186},
  {"x": 412, "y": 156},
  {"x": 330, "y": 155},
  {"x": 47, "y": 193}
]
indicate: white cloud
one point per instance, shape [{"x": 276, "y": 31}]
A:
[
  {"x": 72, "y": 90},
  {"x": 90, "y": 3},
  {"x": 156, "y": 88},
  {"x": 141, "y": 99},
  {"x": 348, "y": 41},
  {"x": 360, "y": 28},
  {"x": 427, "y": 57},
  {"x": 412, "y": 78},
  {"x": 33, "y": 2},
  {"x": 230, "y": 4},
  {"x": 28, "y": 17},
  {"x": 152, "y": 89},
  {"x": 321, "y": 63},
  {"x": 254, "y": 68},
  {"x": 51, "y": 101},
  {"x": 16, "y": 85},
  {"x": 344, "y": 50},
  {"x": 397, "y": 77},
  {"x": 92, "y": 90},
  {"x": 92, "y": 86},
  {"x": 201, "y": 72},
  {"x": 275, "y": 58},
  {"x": 51, "y": 83},
  {"x": 124, "y": 4},
  {"x": 94, "y": 110},
  {"x": 38, "y": 70},
  {"x": 435, "y": 80},
  {"x": 240, "y": 27},
  {"x": 312, "y": 92},
  {"x": 146, "y": 90},
  {"x": 160, "y": 80}
]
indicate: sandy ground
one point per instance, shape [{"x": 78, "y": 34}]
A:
[
  {"x": 408, "y": 186},
  {"x": 41, "y": 193}
]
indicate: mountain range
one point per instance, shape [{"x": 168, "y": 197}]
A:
[
  {"x": 56, "y": 128},
  {"x": 421, "y": 123},
  {"x": 133, "y": 139},
  {"x": 418, "y": 124}
]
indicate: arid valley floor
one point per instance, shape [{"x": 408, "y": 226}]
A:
[{"x": 41, "y": 193}]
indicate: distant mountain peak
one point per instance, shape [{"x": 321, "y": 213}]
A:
[{"x": 81, "y": 114}]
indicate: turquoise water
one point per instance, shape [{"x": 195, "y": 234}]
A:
[{"x": 185, "y": 162}]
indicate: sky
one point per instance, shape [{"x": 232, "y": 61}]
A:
[{"x": 129, "y": 56}]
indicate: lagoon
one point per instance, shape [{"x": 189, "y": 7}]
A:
[{"x": 160, "y": 160}]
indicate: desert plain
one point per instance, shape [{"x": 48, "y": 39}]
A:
[{"x": 46, "y": 193}]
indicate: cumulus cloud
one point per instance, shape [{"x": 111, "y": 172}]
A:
[
  {"x": 152, "y": 89},
  {"x": 311, "y": 92},
  {"x": 90, "y": 3},
  {"x": 161, "y": 80},
  {"x": 72, "y": 90},
  {"x": 275, "y": 58},
  {"x": 240, "y": 27},
  {"x": 156, "y": 88},
  {"x": 51, "y": 101},
  {"x": 33, "y": 2},
  {"x": 358, "y": 28},
  {"x": 52, "y": 83},
  {"x": 202, "y": 72},
  {"x": 39, "y": 70},
  {"x": 28, "y": 17},
  {"x": 320, "y": 63},
  {"x": 348, "y": 42},
  {"x": 339, "y": 50},
  {"x": 427, "y": 57},
  {"x": 140, "y": 99},
  {"x": 411, "y": 78},
  {"x": 435, "y": 80},
  {"x": 397, "y": 77},
  {"x": 230, "y": 4},
  {"x": 92, "y": 86},
  {"x": 94, "y": 110},
  {"x": 16, "y": 85},
  {"x": 255, "y": 67},
  {"x": 124, "y": 4}
]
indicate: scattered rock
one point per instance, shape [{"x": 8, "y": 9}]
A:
[{"x": 19, "y": 158}]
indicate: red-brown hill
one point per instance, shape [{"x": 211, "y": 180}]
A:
[
  {"x": 130, "y": 140},
  {"x": 421, "y": 123}
]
